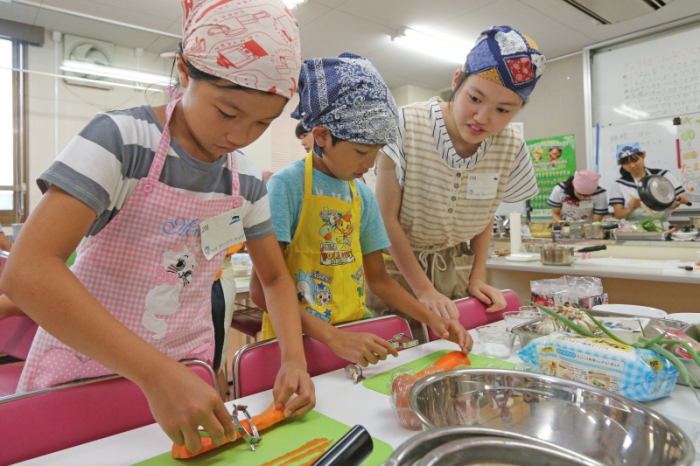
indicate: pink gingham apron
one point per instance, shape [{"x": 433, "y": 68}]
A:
[{"x": 146, "y": 267}]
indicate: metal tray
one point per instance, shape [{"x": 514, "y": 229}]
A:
[
  {"x": 526, "y": 332},
  {"x": 640, "y": 235}
]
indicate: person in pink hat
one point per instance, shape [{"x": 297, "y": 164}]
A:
[
  {"x": 153, "y": 197},
  {"x": 579, "y": 198}
]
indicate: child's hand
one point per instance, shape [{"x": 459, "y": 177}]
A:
[
  {"x": 292, "y": 378},
  {"x": 452, "y": 330},
  {"x": 488, "y": 295},
  {"x": 440, "y": 304},
  {"x": 361, "y": 348},
  {"x": 181, "y": 402}
]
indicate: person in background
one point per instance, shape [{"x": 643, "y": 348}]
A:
[
  {"x": 579, "y": 198},
  {"x": 306, "y": 138},
  {"x": 624, "y": 195},
  {"x": 328, "y": 225},
  {"x": 5, "y": 244},
  {"x": 453, "y": 164},
  {"x": 131, "y": 189}
]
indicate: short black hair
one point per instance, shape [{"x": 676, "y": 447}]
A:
[
  {"x": 569, "y": 188},
  {"x": 300, "y": 130},
  {"x": 625, "y": 160}
]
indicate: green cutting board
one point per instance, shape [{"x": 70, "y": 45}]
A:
[
  {"x": 277, "y": 441},
  {"x": 379, "y": 382}
]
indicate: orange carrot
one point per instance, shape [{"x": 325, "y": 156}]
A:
[
  {"x": 446, "y": 363},
  {"x": 452, "y": 360},
  {"x": 293, "y": 453},
  {"x": 319, "y": 450},
  {"x": 262, "y": 421}
]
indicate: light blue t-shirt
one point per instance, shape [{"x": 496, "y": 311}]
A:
[{"x": 286, "y": 193}]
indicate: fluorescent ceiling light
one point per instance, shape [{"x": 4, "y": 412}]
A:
[
  {"x": 74, "y": 66},
  {"x": 292, "y": 3},
  {"x": 431, "y": 45}
]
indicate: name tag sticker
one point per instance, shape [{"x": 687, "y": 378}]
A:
[
  {"x": 482, "y": 185},
  {"x": 221, "y": 232}
]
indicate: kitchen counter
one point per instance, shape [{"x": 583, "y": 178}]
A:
[{"x": 579, "y": 268}]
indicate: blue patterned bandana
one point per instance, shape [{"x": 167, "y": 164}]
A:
[
  {"x": 506, "y": 57},
  {"x": 627, "y": 149},
  {"x": 347, "y": 96}
]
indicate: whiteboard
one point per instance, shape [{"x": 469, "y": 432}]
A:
[
  {"x": 657, "y": 138},
  {"x": 652, "y": 78}
]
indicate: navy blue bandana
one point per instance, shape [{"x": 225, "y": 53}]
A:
[
  {"x": 347, "y": 96},
  {"x": 507, "y": 57}
]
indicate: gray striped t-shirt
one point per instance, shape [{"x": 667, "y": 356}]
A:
[{"x": 103, "y": 163}]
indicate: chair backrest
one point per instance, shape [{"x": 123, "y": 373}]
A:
[
  {"x": 255, "y": 365},
  {"x": 16, "y": 336},
  {"x": 42, "y": 422},
  {"x": 472, "y": 312}
]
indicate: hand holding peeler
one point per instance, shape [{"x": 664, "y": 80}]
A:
[
  {"x": 402, "y": 341},
  {"x": 253, "y": 438}
]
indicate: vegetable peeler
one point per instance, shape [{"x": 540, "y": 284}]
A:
[
  {"x": 252, "y": 438},
  {"x": 402, "y": 341}
]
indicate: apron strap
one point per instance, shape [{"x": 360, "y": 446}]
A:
[
  {"x": 436, "y": 262},
  {"x": 163, "y": 145},
  {"x": 309, "y": 176}
]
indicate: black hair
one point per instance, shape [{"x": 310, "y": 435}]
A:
[
  {"x": 463, "y": 75},
  {"x": 300, "y": 130},
  {"x": 199, "y": 75},
  {"x": 627, "y": 176},
  {"x": 569, "y": 188}
]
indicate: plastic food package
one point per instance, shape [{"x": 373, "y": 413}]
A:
[
  {"x": 567, "y": 291},
  {"x": 673, "y": 334},
  {"x": 401, "y": 382},
  {"x": 638, "y": 374}
]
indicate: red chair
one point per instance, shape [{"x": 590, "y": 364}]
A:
[
  {"x": 255, "y": 365},
  {"x": 472, "y": 312},
  {"x": 45, "y": 421}
]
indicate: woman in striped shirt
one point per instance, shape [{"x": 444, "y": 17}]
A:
[{"x": 454, "y": 163}]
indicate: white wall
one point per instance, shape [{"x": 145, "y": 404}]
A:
[
  {"x": 408, "y": 94},
  {"x": 76, "y": 104}
]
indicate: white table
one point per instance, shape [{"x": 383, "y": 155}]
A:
[{"x": 334, "y": 395}]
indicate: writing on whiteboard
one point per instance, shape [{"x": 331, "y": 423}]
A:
[{"x": 661, "y": 85}]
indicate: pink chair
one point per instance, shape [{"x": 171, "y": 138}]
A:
[
  {"x": 42, "y": 422},
  {"x": 255, "y": 365},
  {"x": 16, "y": 336},
  {"x": 472, "y": 312}
]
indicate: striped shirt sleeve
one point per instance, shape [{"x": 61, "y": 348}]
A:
[
  {"x": 396, "y": 151},
  {"x": 600, "y": 202},
  {"x": 257, "y": 221},
  {"x": 522, "y": 184},
  {"x": 616, "y": 196},
  {"x": 557, "y": 197},
  {"x": 678, "y": 187}
]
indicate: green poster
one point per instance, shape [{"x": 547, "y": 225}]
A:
[{"x": 554, "y": 160}]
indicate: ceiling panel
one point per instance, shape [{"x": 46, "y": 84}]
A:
[
  {"x": 163, "y": 44},
  {"x": 119, "y": 35},
  {"x": 112, "y": 12},
  {"x": 331, "y": 3},
  {"x": 416, "y": 13},
  {"x": 337, "y": 32},
  {"x": 16, "y": 12},
  {"x": 168, "y": 10},
  {"x": 554, "y": 39},
  {"x": 309, "y": 11}
]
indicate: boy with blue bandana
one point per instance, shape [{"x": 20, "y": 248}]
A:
[{"x": 328, "y": 226}]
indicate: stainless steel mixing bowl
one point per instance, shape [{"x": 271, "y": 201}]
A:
[
  {"x": 472, "y": 445},
  {"x": 592, "y": 422}
]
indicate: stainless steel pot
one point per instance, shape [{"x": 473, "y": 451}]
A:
[
  {"x": 594, "y": 423},
  {"x": 557, "y": 255}
]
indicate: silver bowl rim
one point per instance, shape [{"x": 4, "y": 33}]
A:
[
  {"x": 472, "y": 431},
  {"x": 684, "y": 440}
]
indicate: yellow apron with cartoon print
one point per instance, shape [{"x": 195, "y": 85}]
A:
[{"x": 325, "y": 257}]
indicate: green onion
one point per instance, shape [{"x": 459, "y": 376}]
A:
[{"x": 604, "y": 328}]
